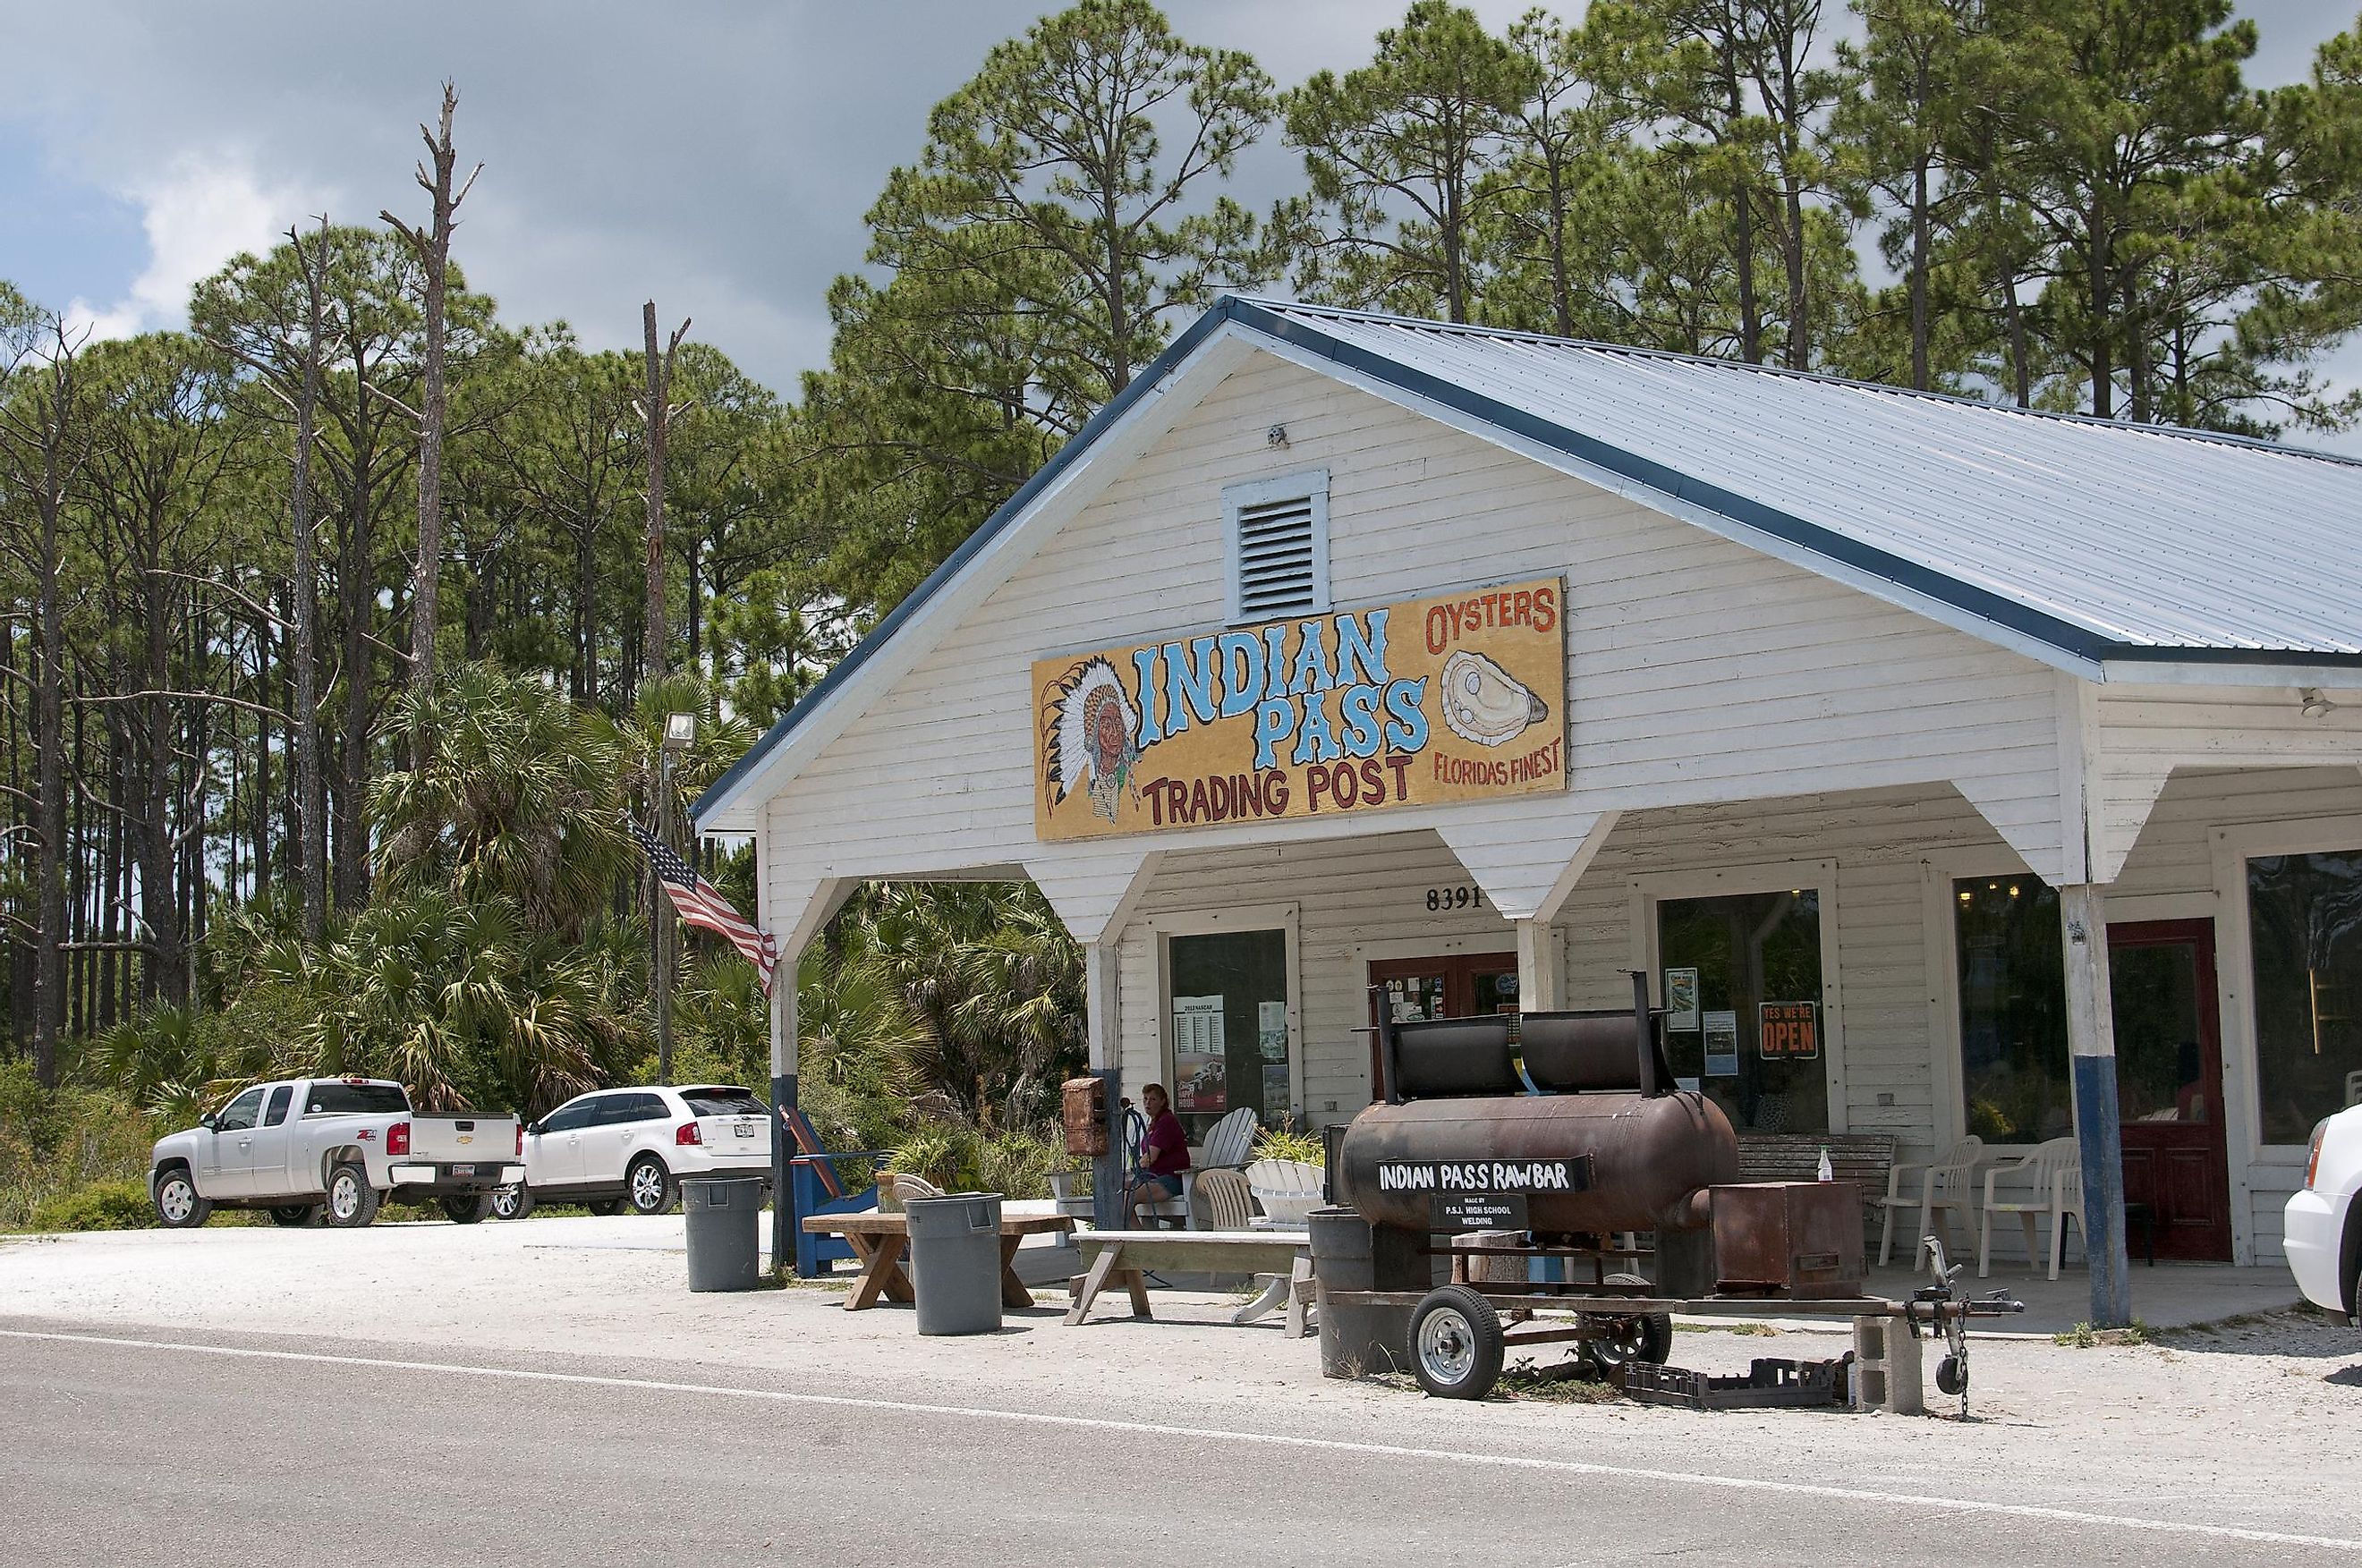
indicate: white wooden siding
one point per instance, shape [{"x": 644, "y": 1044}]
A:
[{"x": 1700, "y": 671}]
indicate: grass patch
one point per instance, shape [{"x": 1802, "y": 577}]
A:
[
  {"x": 1746, "y": 1330},
  {"x": 2083, "y": 1336}
]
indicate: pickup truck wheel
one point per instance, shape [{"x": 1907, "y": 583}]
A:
[
  {"x": 177, "y": 1203},
  {"x": 650, "y": 1186},
  {"x": 513, "y": 1202},
  {"x": 295, "y": 1216},
  {"x": 605, "y": 1208},
  {"x": 470, "y": 1209},
  {"x": 352, "y": 1201}
]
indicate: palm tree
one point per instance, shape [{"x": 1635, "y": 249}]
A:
[{"x": 519, "y": 800}]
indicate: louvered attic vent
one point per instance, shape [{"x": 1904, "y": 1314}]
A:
[{"x": 1277, "y": 532}]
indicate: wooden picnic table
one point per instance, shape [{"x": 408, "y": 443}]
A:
[
  {"x": 882, "y": 1241},
  {"x": 1123, "y": 1258}
]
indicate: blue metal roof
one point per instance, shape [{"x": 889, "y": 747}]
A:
[{"x": 2104, "y": 539}]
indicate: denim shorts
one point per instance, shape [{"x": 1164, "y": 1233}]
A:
[{"x": 1168, "y": 1185}]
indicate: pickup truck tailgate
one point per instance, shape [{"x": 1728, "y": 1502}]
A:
[{"x": 463, "y": 1140}]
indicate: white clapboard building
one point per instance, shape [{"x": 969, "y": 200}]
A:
[{"x": 1918, "y": 749}]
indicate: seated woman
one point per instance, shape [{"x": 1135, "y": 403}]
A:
[{"x": 1164, "y": 1157}]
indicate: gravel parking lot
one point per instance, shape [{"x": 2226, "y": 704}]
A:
[{"x": 2258, "y": 1422}]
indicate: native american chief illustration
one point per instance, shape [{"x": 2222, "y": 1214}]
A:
[{"x": 1091, "y": 724}]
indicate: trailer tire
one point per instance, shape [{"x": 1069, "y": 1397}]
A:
[
  {"x": 605, "y": 1208},
  {"x": 1455, "y": 1344},
  {"x": 1649, "y": 1339},
  {"x": 467, "y": 1209},
  {"x": 178, "y": 1205},
  {"x": 352, "y": 1201},
  {"x": 513, "y": 1202},
  {"x": 295, "y": 1216}
]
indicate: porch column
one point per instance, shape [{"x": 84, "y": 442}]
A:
[
  {"x": 1541, "y": 967},
  {"x": 2092, "y": 1046},
  {"x": 793, "y": 920},
  {"x": 1103, "y": 1017},
  {"x": 783, "y": 1100}
]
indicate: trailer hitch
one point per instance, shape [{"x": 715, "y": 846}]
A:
[{"x": 1946, "y": 1309}]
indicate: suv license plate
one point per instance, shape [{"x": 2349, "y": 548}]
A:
[
  {"x": 745, "y": 1131},
  {"x": 463, "y": 1170}
]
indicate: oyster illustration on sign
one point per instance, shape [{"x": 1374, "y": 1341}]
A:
[
  {"x": 1092, "y": 723},
  {"x": 1484, "y": 703}
]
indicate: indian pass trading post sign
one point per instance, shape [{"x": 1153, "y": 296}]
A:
[{"x": 1455, "y": 698}]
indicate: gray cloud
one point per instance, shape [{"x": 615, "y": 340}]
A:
[{"x": 717, "y": 156}]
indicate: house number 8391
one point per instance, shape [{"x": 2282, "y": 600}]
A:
[{"x": 1465, "y": 896}]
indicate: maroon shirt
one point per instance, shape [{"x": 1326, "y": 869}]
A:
[{"x": 1168, "y": 1146}]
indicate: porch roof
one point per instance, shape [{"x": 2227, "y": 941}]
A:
[{"x": 2086, "y": 541}]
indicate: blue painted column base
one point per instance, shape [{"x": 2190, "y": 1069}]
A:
[
  {"x": 2099, "y": 1139},
  {"x": 783, "y": 1192},
  {"x": 1108, "y": 1211}
]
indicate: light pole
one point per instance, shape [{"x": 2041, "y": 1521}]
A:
[{"x": 679, "y": 734}]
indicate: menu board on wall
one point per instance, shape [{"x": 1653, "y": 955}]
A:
[
  {"x": 1200, "y": 1054},
  {"x": 1460, "y": 697}
]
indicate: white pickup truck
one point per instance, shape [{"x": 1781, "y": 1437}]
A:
[{"x": 315, "y": 1150}]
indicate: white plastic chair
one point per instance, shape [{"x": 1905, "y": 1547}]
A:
[
  {"x": 1288, "y": 1190},
  {"x": 1943, "y": 1187},
  {"x": 1223, "y": 1203},
  {"x": 2039, "y": 1170}
]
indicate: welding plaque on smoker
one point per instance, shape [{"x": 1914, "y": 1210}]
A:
[{"x": 1456, "y": 1212}]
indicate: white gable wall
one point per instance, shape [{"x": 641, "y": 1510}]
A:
[{"x": 1699, "y": 671}]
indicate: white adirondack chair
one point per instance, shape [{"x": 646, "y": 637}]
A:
[
  {"x": 1288, "y": 1190},
  {"x": 2046, "y": 1170},
  {"x": 1943, "y": 1187},
  {"x": 1228, "y": 1144}
]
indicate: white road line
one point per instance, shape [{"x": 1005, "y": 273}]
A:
[{"x": 1274, "y": 1440}]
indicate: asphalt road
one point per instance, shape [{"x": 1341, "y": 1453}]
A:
[{"x": 126, "y": 1448}]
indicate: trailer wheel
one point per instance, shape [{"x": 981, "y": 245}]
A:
[
  {"x": 1649, "y": 1339},
  {"x": 469, "y": 1208},
  {"x": 295, "y": 1216},
  {"x": 1455, "y": 1344}
]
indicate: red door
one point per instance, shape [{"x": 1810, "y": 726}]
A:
[
  {"x": 2170, "y": 1085},
  {"x": 1460, "y": 985}
]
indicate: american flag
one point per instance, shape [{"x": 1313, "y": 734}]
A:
[{"x": 702, "y": 904}]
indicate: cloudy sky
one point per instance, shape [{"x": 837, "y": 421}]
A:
[{"x": 717, "y": 155}]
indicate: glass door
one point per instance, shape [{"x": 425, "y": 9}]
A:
[
  {"x": 1229, "y": 1028},
  {"x": 1741, "y": 977}
]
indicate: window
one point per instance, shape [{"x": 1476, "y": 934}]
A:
[
  {"x": 2012, "y": 980},
  {"x": 2304, "y": 928},
  {"x": 1275, "y": 536},
  {"x": 1742, "y": 987},
  {"x": 723, "y": 1103},
  {"x": 1228, "y": 1028},
  {"x": 622, "y": 1108},
  {"x": 278, "y": 1111},
  {"x": 573, "y": 1116},
  {"x": 238, "y": 1116},
  {"x": 356, "y": 1099}
]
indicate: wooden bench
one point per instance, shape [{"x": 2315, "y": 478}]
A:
[
  {"x": 882, "y": 1241},
  {"x": 1864, "y": 1158},
  {"x": 1124, "y": 1257}
]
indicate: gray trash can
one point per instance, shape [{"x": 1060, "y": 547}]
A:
[
  {"x": 725, "y": 1231},
  {"x": 955, "y": 1262}
]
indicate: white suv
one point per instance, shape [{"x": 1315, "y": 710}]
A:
[
  {"x": 2322, "y": 1228},
  {"x": 615, "y": 1146}
]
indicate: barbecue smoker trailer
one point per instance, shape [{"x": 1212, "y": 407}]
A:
[{"x": 1534, "y": 1152}]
